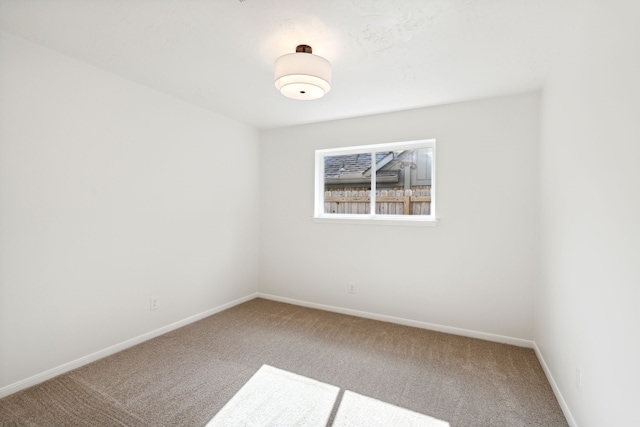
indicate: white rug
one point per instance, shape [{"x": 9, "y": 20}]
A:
[
  {"x": 361, "y": 411},
  {"x": 273, "y": 397}
]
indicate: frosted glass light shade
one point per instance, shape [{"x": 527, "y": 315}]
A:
[{"x": 303, "y": 76}]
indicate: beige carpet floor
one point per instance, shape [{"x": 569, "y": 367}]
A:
[{"x": 185, "y": 377}]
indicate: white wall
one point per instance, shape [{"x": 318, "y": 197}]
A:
[
  {"x": 111, "y": 193},
  {"x": 588, "y": 314},
  {"x": 476, "y": 270}
]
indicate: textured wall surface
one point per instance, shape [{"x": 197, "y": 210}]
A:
[
  {"x": 476, "y": 270},
  {"x": 111, "y": 193},
  {"x": 587, "y": 313}
]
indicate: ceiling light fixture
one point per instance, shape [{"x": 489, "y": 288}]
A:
[{"x": 303, "y": 75}]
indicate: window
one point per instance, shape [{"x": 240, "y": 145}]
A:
[{"x": 392, "y": 183}]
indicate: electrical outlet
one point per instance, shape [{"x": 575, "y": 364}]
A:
[
  {"x": 352, "y": 288},
  {"x": 154, "y": 303}
]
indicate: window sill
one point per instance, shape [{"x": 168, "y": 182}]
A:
[{"x": 377, "y": 220}]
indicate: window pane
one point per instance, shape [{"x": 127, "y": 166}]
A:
[
  {"x": 403, "y": 173},
  {"x": 403, "y": 182},
  {"x": 347, "y": 184}
]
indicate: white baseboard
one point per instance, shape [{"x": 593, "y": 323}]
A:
[
  {"x": 555, "y": 388},
  {"x": 38, "y": 378},
  {"x": 407, "y": 322}
]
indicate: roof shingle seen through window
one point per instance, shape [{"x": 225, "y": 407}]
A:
[{"x": 334, "y": 166}]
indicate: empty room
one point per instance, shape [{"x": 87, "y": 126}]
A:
[{"x": 320, "y": 213}]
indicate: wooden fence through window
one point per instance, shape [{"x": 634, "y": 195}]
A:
[{"x": 388, "y": 202}]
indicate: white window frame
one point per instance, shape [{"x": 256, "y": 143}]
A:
[{"x": 420, "y": 220}]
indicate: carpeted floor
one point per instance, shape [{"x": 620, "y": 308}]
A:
[{"x": 184, "y": 377}]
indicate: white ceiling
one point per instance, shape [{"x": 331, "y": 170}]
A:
[{"x": 387, "y": 55}]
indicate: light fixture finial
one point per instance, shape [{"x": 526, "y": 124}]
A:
[{"x": 304, "y": 48}]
